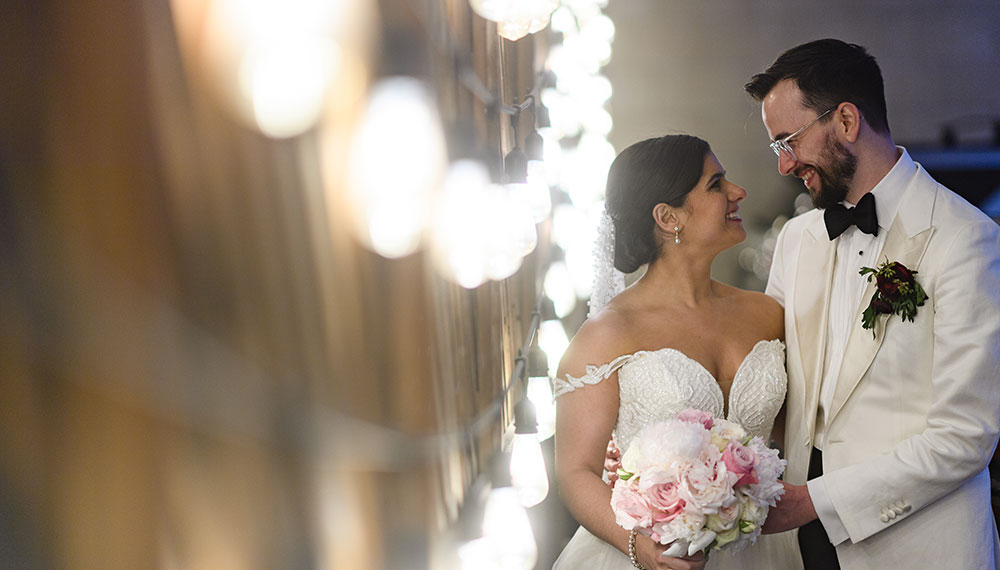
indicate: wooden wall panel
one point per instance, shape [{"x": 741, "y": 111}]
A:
[{"x": 201, "y": 367}]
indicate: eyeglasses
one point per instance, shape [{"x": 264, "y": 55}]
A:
[{"x": 781, "y": 145}]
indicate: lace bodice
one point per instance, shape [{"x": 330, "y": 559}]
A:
[{"x": 656, "y": 385}]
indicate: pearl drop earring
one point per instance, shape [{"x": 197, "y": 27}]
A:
[{"x": 677, "y": 235}]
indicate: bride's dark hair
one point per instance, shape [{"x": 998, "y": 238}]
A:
[{"x": 663, "y": 169}]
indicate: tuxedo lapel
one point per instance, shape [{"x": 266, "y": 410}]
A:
[
  {"x": 814, "y": 274},
  {"x": 861, "y": 345}
]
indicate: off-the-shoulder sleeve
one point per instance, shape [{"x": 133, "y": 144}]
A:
[{"x": 593, "y": 375}]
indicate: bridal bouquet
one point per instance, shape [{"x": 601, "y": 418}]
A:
[{"x": 698, "y": 482}]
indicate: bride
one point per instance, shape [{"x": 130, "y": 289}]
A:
[{"x": 675, "y": 339}]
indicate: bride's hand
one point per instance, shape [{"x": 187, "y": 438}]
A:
[{"x": 650, "y": 555}]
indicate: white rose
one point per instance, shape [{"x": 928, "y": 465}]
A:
[
  {"x": 753, "y": 512},
  {"x": 725, "y": 537},
  {"x": 729, "y": 430},
  {"x": 726, "y": 518}
]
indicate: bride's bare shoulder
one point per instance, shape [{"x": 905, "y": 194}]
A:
[
  {"x": 766, "y": 311},
  {"x": 600, "y": 339},
  {"x": 754, "y": 306}
]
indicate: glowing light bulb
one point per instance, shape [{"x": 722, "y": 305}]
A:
[
  {"x": 456, "y": 241},
  {"x": 469, "y": 248},
  {"x": 287, "y": 82},
  {"x": 508, "y": 542},
  {"x": 558, "y": 286},
  {"x": 540, "y": 394},
  {"x": 516, "y": 18},
  {"x": 553, "y": 340},
  {"x": 506, "y": 522},
  {"x": 398, "y": 161},
  {"x": 527, "y": 469}
]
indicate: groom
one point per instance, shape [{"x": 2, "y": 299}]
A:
[{"x": 893, "y": 425}]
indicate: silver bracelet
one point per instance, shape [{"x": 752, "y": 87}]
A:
[{"x": 631, "y": 551}]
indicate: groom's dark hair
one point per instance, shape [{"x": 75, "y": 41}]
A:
[
  {"x": 650, "y": 172},
  {"x": 829, "y": 72}
]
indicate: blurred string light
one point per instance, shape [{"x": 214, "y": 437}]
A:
[
  {"x": 480, "y": 230},
  {"x": 280, "y": 64},
  {"x": 516, "y": 18},
  {"x": 553, "y": 340},
  {"x": 540, "y": 392},
  {"x": 527, "y": 465},
  {"x": 526, "y": 174},
  {"x": 580, "y": 156},
  {"x": 403, "y": 190},
  {"x": 756, "y": 258},
  {"x": 398, "y": 160},
  {"x": 558, "y": 286},
  {"x": 574, "y": 230},
  {"x": 276, "y": 63},
  {"x": 507, "y": 542},
  {"x": 534, "y": 192}
]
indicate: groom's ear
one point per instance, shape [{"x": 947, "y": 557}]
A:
[
  {"x": 847, "y": 119},
  {"x": 665, "y": 218}
]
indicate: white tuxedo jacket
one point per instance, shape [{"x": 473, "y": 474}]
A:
[{"x": 915, "y": 411}]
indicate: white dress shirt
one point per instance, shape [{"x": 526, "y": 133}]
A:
[{"x": 855, "y": 249}]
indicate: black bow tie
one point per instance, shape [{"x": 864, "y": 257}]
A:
[{"x": 838, "y": 218}]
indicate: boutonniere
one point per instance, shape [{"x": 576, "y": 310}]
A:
[{"x": 896, "y": 293}]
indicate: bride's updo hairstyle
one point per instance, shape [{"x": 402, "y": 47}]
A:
[{"x": 649, "y": 172}]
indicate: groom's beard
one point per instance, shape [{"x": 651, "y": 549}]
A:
[{"x": 836, "y": 176}]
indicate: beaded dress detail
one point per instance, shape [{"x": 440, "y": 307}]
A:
[{"x": 655, "y": 386}]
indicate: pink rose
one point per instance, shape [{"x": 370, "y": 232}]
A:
[
  {"x": 632, "y": 511},
  {"x": 665, "y": 501},
  {"x": 740, "y": 460},
  {"x": 694, "y": 416}
]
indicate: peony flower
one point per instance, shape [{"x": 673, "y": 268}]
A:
[
  {"x": 769, "y": 468},
  {"x": 705, "y": 485},
  {"x": 701, "y": 541},
  {"x": 686, "y": 525},
  {"x": 658, "y": 445},
  {"x": 696, "y": 483}
]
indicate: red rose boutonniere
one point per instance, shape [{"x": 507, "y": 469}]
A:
[{"x": 896, "y": 293}]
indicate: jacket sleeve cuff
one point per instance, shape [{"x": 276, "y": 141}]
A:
[{"x": 824, "y": 509}]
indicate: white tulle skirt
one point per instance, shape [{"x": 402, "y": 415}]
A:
[{"x": 771, "y": 552}]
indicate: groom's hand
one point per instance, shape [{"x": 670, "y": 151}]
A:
[
  {"x": 612, "y": 461},
  {"x": 795, "y": 508}
]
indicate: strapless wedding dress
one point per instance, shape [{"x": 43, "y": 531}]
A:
[{"x": 656, "y": 385}]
